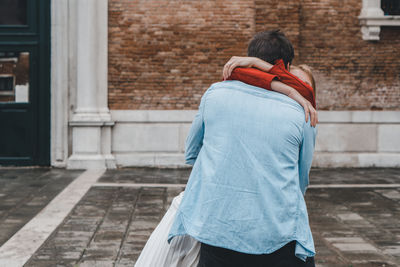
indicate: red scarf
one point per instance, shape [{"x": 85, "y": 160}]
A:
[{"x": 262, "y": 79}]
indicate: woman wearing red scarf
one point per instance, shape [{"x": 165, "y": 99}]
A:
[{"x": 297, "y": 84}]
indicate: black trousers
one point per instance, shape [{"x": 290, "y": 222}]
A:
[{"x": 211, "y": 256}]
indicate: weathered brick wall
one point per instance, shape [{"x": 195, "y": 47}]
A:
[
  {"x": 163, "y": 54},
  {"x": 278, "y": 14},
  {"x": 351, "y": 73}
]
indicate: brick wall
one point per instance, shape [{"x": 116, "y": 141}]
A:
[
  {"x": 163, "y": 54},
  {"x": 352, "y": 73}
]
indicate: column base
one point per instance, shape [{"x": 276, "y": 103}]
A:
[
  {"x": 111, "y": 162},
  {"x": 82, "y": 161},
  {"x": 91, "y": 141}
]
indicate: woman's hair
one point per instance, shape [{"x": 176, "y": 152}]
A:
[{"x": 307, "y": 70}]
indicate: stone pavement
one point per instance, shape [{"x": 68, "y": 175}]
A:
[
  {"x": 353, "y": 225},
  {"x": 26, "y": 191}
]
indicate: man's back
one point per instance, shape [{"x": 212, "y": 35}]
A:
[
  {"x": 253, "y": 135},
  {"x": 244, "y": 192}
]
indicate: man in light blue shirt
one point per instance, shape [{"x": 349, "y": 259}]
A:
[{"x": 251, "y": 152}]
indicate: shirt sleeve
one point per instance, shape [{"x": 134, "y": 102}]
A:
[
  {"x": 306, "y": 155},
  {"x": 263, "y": 79},
  {"x": 291, "y": 80},
  {"x": 194, "y": 140},
  {"x": 253, "y": 77}
]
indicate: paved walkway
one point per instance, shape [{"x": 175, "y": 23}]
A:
[
  {"x": 24, "y": 192},
  {"x": 354, "y": 216}
]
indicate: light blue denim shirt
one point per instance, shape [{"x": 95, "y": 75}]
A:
[{"x": 252, "y": 152}]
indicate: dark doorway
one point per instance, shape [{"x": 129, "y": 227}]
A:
[{"x": 24, "y": 82}]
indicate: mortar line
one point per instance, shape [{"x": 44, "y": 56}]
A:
[
  {"x": 128, "y": 227},
  {"x": 354, "y": 186},
  {"x": 116, "y": 193},
  {"x": 312, "y": 186},
  {"x": 134, "y": 185}
]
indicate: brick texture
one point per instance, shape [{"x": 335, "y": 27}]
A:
[
  {"x": 165, "y": 54},
  {"x": 351, "y": 73}
]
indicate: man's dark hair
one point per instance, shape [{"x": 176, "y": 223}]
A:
[{"x": 270, "y": 46}]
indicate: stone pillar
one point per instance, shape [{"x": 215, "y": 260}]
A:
[
  {"x": 59, "y": 82},
  {"x": 91, "y": 121},
  {"x": 371, "y": 9}
]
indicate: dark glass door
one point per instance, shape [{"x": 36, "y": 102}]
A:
[{"x": 24, "y": 82}]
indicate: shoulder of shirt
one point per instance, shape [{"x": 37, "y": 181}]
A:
[{"x": 253, "y": 90}]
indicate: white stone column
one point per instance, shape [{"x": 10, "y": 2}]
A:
[
  {"x": 371, "y": 9},
  {"x": 91, "y": 121},
  {"x": 59, "y": 82}
]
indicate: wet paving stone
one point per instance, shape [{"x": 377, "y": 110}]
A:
[
  {"x": 147, "y": 175},
  {"x": 113, "y": 235},
  {"x": 110, "y": 225},
  {"x": 26, "y": 191},
  {"x": 355, "y": 176},
  {"x": 317, "y": 176},
  {"x": 356, "y": 233}
]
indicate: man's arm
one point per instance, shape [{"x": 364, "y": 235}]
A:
[
  {"x": 306, "y": 155},
  {"x": 194, "y": 140}
]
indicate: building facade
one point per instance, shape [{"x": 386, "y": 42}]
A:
[{"x": 126, "y": 77}]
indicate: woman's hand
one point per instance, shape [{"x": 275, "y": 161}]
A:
[
  {"x": 296, "y": 96},
  {"x": 245, "y": 62},
  {"x": 308, "y": 107}
]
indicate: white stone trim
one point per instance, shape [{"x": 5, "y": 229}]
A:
[
  {"x": 311, "y": 186},
  {"x": 321, "y": 160},
  {"x": 79, "y": 86},
  {"x": 163, "y": 116},
  {"x": 151, "y": 159},
  {"x": 359, "y": 116},
  {"x": 171, "y": 116},
  {"x": 345, "y": 138},
  {"x": 353, "y": 159},
  {"x": 372, "y": 18},
  {"x": 59, "y": 82},
  {"x": 91, "y": 120}
]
